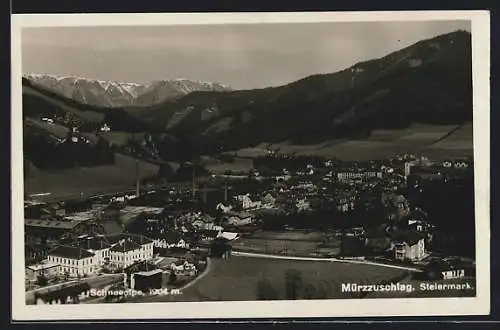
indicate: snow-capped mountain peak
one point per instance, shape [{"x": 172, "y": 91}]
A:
[{"x": 109, "y": 93}]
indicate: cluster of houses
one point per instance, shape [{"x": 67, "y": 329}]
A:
[
  {"x": 88, "y": 255},
  {"x": 89, "y": 238},
  {"x": 441, "y": 167}
]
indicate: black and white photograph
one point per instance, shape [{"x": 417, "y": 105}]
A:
[{"x": 250, "y": 165}]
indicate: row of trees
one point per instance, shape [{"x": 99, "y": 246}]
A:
[{"x": 46, "y": 153}]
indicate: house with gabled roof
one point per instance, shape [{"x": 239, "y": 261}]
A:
[
  {"x": 409, "y": 245},
  {"x": 128, "y": 249},
  {"x": 73, "y": 261}
]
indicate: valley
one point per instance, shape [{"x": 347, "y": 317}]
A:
[{"x": 415, "y": 100}]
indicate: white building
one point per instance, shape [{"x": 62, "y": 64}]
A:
[
  {"x": 224, "y": 208},
  {"x": 167, "y": 243},
  {"x": 303, "y": 205},
  {"x": 409, "y": 247},
  {"x": 184, "y": 269},
  {"x": 247, "y": 203},
  {"x": 105, "y": 128},
  {"x": 129, "y": 250},
  {"x": 73, "y": 261},
  {"x": 99, "y": 246},
  {"x": 239, "y": 218},
  {"x": 358, "y": 175},
  {"x": 46, "y": 269}
]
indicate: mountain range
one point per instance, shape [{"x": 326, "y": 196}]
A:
[
  {"x": 105, "y": 93},
  {"x": 429, "y": 82}
]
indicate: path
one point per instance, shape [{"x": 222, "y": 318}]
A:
[
  {"x": 199, "y": 277},
  {"x": 272, "y": 256}
]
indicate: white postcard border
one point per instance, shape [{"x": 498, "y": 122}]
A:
[{"x": 480, "y": 305}]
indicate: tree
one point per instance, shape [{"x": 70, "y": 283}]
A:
[
  {"x": 265, "y": 290},
  {"x": 41, "y": 280},
  {"x": 293, "y": 284}
]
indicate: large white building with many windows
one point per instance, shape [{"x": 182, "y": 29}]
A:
[
  {"x": 73, "y": 261},
  {"x": 98, "y": 245},
  {"x": 129, "y": 250}
]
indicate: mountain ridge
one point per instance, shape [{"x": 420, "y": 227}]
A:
[
  {"x": 429, "y": 82},
  {"x": 109, "y": 93}
]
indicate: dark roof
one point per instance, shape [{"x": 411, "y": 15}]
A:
[
  {"x": 416, "y": 215},
  {"x": 138, "y": 239},
  {"x": 125, "y": 246},
  {"x": 209, "y": 233},
  {"x": 56, "y": 224},
  {"x": 410, "y": 237},
  {"x": 70, "y": 252},
  {"x": 93, "y": 243},
  {"x": 140, "y": 266}
]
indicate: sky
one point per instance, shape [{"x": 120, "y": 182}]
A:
[{"x": 243, "y": 56}]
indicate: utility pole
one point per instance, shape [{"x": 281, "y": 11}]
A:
[
  {"x": 193, "y": 181},
  {"x": 225, "y": 190},
  {"x": 137, "y": 179}
]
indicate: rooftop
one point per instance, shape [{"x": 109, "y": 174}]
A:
[
  {"x": 140, "y": 209},
  {"x": 42, "y": 266},
  {"x": 82, "y": 216},
  {"x": 55, "y": 224},
  {"x": 410, "y": 237},
  {"x": 93, "y": 243},
  {"x": 125, "y": 246},
  {"x": 150, "y": 273},
  {"x": 130, "y": 212},
  {"x": 139, "y": 239},
  {"x": 70, "y": 252}
]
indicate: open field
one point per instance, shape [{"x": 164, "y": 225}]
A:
[
  {"x": 439, "y": 140},
  {"x": 460, "y": 139},
  {"x": 54, "y": 129},
  {"x": 294, "y": 235},
  {"x": 276, "y": 246},
  {"x": 120, "y": 138},
  {"x": 91, "y": 116},
  {"x": 292, "y": 243},
  {"x": 92, "y": 180},
  {"x": 236, "y": 279}
]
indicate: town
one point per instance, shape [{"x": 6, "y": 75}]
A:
[{"x": 399, "y": 211}]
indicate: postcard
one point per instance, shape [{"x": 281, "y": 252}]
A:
[{"x": 250, "y": 165}]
